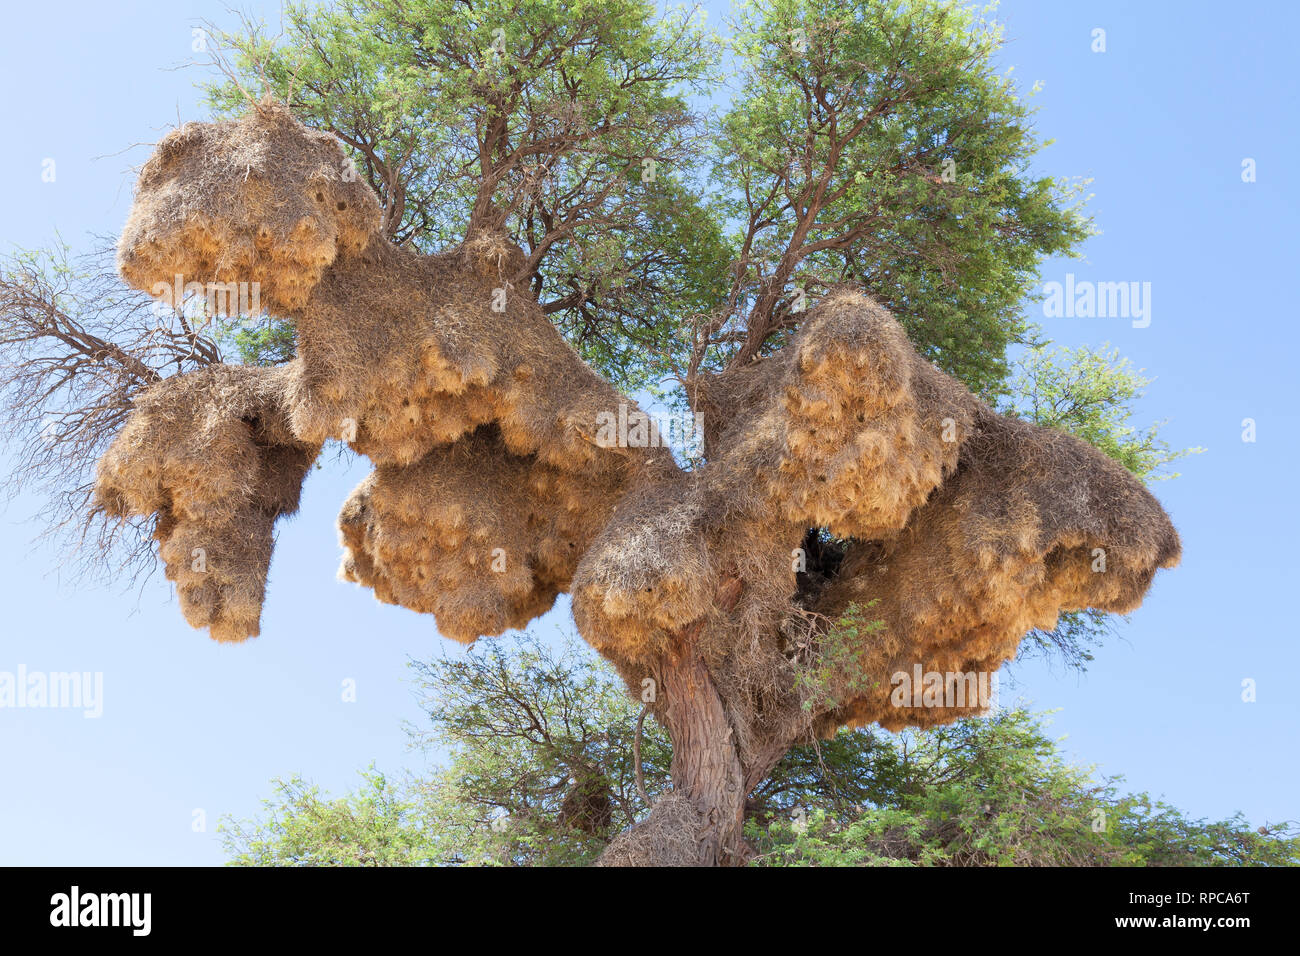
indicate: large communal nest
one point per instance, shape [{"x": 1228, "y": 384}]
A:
[
  {"x": 966, "y": 529},
  {"x": 485, "y": 425},
  {"x": 1033, "y": 523},
  {"x": 494, "y": 490},
  {"x": 403, "y": 353},
  {"x": 479, "y": 537},
  {"x": 846, "y": 428},
  {"x": 211, "y": 455},
  {"x": 399, "y": 353},
  {"x": 261, "y": 199}
]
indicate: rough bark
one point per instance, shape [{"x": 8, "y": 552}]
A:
[
  {"x": 706, "y": 767},
  {"x": 702, "y": 823}
]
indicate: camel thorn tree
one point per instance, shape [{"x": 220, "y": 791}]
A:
[{"x": 830, "y": 307}]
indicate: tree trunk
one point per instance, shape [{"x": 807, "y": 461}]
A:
[
  {"x": 700, "y": 822},
  {"x": 706, "y": 769}
]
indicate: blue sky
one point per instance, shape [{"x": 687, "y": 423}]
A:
[{"x": 1161, "y": 122}]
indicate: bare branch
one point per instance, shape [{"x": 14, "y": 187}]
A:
[{"x": 76, "y": 346}]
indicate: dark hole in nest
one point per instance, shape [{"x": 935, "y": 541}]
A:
[
  {"x": 342, "y": 206},
  {"x": 320, "y": 197},
  {"x": 824, "y": 555}
]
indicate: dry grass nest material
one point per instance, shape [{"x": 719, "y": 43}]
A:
[
  {"x": 492, "y": 494},
  {"x": 211, "y": 456}
]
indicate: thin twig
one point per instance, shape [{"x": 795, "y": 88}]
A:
[{"x": 636, "y": 756}]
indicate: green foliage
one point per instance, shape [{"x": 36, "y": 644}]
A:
[
  {"x": 995, "y": 792},
  {"x": 835, "y": 672},
  {"x": 1090, "y": 393},
  {"x": 891, "y": 117},
  {"x": 521, "y": 731},
  {"x": 259, "y": 341},
  {"x": 639, "y": 289},
  {"x": 378, "y": 825}
]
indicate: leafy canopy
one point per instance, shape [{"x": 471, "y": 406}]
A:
[
  {"x": 519, "y": 732},
  {"x": 565, "y": 121},
  {"x": 864, "y": 142},
  {"x": 1090, "y": 393},
  {"x": 875, "y": 142}
]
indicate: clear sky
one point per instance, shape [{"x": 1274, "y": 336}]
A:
[{"x": 1162, "y": 121}]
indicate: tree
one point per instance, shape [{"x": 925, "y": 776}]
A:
[
  {"x": 875, "y": 144},
  {"x": 521, "y": 724},
  {"x": 856, "y": 514}
]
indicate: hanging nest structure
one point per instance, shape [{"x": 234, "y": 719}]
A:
[
  {"x": 964, "y": 530},
  {"x": 844, "y": 428},
  {"x": 211, "y": 457},
  {"x": 494, "y": 491},
  {"x": 474, "y": 534},
  {"x": 1032, "y": 524},
  {"x": 211, "y": 205}
]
